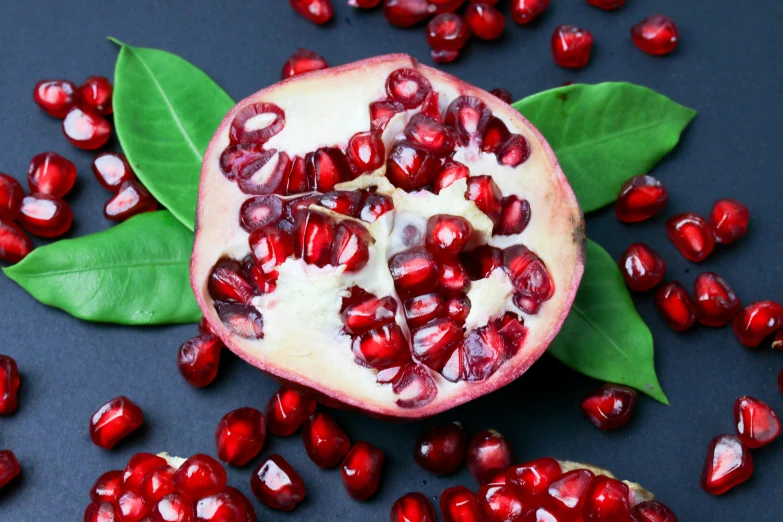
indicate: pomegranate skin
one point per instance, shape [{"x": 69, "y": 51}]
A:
[
  {"x": 728, "y": 464},
  {"x": 488, "y": 451},
  {"x": 9, "y": 384},
  {"x": 757, "y": 423}
]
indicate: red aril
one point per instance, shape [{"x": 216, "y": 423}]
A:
[
  {"x": 156, "y": 484},
  {"x": 571, "y": 46},
  {"x": 55, "y": 97},
  {"x": 531, "y": 480},
  {"x": 406, "y": 13},
  {"x": 275, "y": 483},
  {"x": 530, "y": 277},
  {"x": 606, "y": 501},
  {"x": 130, "y": 507},
  {"x": 9, "y": 384},
  {"x": 715, "y": 302},
  {"x": 45, "y": 216},
  {"x": 361, "y": 470},
  {"x": 240, "y": 436},
  {"x": 642, "y": 267},
  {"x": 230, "y": 505},
  {"x": 325, "y": 441},
  {"x": 640, "y": 198},
  {"x": 566, "y": 494},
  {"x": 114, "y": 421},
  {"x": 443, "y": 55},
  {"x": 287, "y": 410},
  {"x": 200, "y": 476},
  {"x": 138, "y": 467},
  {"x": 303, "y": 61},
  {"x": 441, "y": 449},
  {"x": 514, "y": 216},
  {"x": 447, "y": 32},
  {"x": 655, "y": 35},
  {"x": 692, "y": 236},
  {"x": 652, "y": 511},
  {"x": 729, "y": 220},
  {"x": 198, "y": 360},
  {"x": 728, "y": 464},
  {"x": 488, "y": 451},
  {"x": 131, "y": 199},
  {"x": 364, "y": 4},
  {"x": 606, "y": 5},
  {"x": 413, "y": 507},
  {"x": 500, "y": 504},
  {"x": 99, "y": 512},
  {"x": 757, "y": 321},
  {"x": 317, "y": 11},
  {"x": 9, "y": 467},
  {"x": 525, "y": 11},
  {"x": 676, "y": 306},
  {"x": 112, "y": 170},
  {"x": 459, "y": 504},
  {"x": 86, "y": 129},
  {"x": 484, "y": 192},
  {"x": 172, "y": 508},
  {"x": 450, "y": 172},
  {"x": 107, "y": 487},
  {"x": 447, "y": 235},
  {"x": 366, "y": 151},
  {"x": 11, "y": 194},
  {"x": 610, "y": 406},
  {"x": 485, "y": 21},
  {"x": 96, "y": 93},
  {"x": 51, "y": 174},
  {"x": 14, "y": 243},
  {"x": 757, "y": 423},
  {"x": 369, "y": 313}
]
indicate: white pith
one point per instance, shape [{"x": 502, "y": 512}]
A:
[{"x": 303, "y": 339}]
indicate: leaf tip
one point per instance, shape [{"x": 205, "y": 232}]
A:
[{"x": 116, "y": 41}]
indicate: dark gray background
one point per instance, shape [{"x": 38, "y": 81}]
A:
[{"x": 727, "y": 67}]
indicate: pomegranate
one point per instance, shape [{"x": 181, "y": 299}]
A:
[
  {"x": 459, "y": 504},
  {"x": 757, "y": 423},
  {"x": 676, "y": 306},
  {"x": 240, "y": 436},
  {"x": 86, "y": 129},
  {"x": 692, "y": 236},
  {"x": 325, "y": 441},
  {"x": 9, "y": 467},
  {"x": 655, "y": 35},
  {"x": 341, "y": 271},
  {"x": 729, "y": 220},
  {"x": 287, "y": 410},
  {"x": 303, "y": 61},
  {"x": 716, "y": 304},
  {"x": 607, "y": 5},
  {"x": 112, "y": 169},
  {"x": 114, "y": 421},
  {"x": 757, "y": 321},
  {"x": 45, "y": 216},
  {"x": 525, "y": 11},
  {"x": 14, "y": 243},
  {"x": 364, "y": 4},
  {"x": 51, "y": 174},
  {"x": 642, "y": 267},
  {"x": 131, "y": 199},
  {"x": 640, "y": 198},
  {"x": 275, "y": 483},
  {"x": 485, "y": 21},
  {"x": 610, "y": 406},
  {"x": 11, "y": 194},
  {"x": 198, "y": 360},
  {"x": 488, "y": 451},
  {"x": 571, "y": 46},
  {"x": 361, "y": 470},
  {"x": 9, "y": 384},
  {"x": 652, "y": 511},
  {"x": 441, "y": 449},
  {"x": 55, "y": 97},
  {"x": 728, "y": 464},
  {"x": 317, "y": 11},
  {"x": 413, "y": 507},
  {"x": 96, "y": 93}
]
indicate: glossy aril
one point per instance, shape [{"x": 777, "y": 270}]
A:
[
  {"x": 51, "y": 174},
  {"x": 655, "y": 35},
  {"x": 500, "y": 504},
  {"x": 244, "y": 126},
  {"x": 429, "y": 134},
  {"x": 112, "y": 169},
  {"x": 317, "y": 11},
  {"x": 364, "y": 4},
  {"x": 757, "y": 423},
  {"x": 86, "y": 129},
  {"x": 488, "y": 451},
  {"x": 200, "y": 476},
  {"x": 100, "y": 512},
  {"x": 55, "y": 97},
  {"x": 9, "y": 467},
  {"x": 757, "y": 321},
  {"x": 45, "y": 216},
  {"x": 286, "y": 411},
  {"x": 240, "y": 436},
  {"x": 405, "y": 13},
  {"x": 414, "y": 271},
  {"x": 450, "y": 172},
  {"x": 422, "y": 309},
  {"x": 441, "y": 449},
  {"x": 369, "y": 313},
  {"x": 482, "y": 261},
  {"x": 448, "y": 32},
  {"x": 729, "y": 220},
  {"x": 96, "y": 93},
  {"x": 514, "y": 151},
  {"x": 485, "y": 21},
  {"x": 692, "y": 236},
  {"x": 496, "y": 133},
  {"x": 382, "y": 347},
  {"x": 410, "y": 166},
  {"x": 606, "y": 5},
  {"x": 230, "y": 505},
  {"x": 607, "y": 500},
  {"x": 157, "y": 484},
  {"x": 114, "y": 421},
  {"x": 459, "y": 504},
  {"x": 244, "y": 321},
  {"x": 566, "y": 494},
  {"x": 313, "y": 238},
  {"x": 366, "y": 151},
  {"x": 172, "y": 508},
  {"x": 642, "y": 267},
  {"x": 640, "y": 198},
  {"x": 413, "y": 507},
  {"x": 138, "y": 467},
  {"x": 514, "y": 216},
  {"x": 325, "y": 441},
  {"x": 303, "y": 61},
  {"x": 652, "y": 511},
  {"x": 485, "y": 193},
  {"x": 468, "y": 116},
  {"x": 447, "y": 235},
  {"x": 531, "y": 480},
  {"x": 9, "y": 383},
  {"x": 530, "y": 278},
  {"x": 361, "y": 470},
  {"x": 675, "y": 306},
  {"x": 131, "y": 199},
  {"x": 130, "y": 507},
  {"x": 610, "y": 406},
  {"x": 107, "y": 487},
  {"x": 728, "y": 463},
  {"x": 270, "y": 247},
  {"x": 198, "y": 360},
  {"x": 374, "y": 206},
  {"x": 407, "y": 87},
  {"x": 11, "y": 194},
  {"x": 453, "y": 279},
  {"x": 275, "y": 483},
  {"x": 227, "y": 284},
  {"x": 351, "y": 246},
  {"x": 259, "y": 212},
  {"x": 715, "y": 303},
  {"x": 525, "y": 11},
  {"x": 571, "y": 46}
]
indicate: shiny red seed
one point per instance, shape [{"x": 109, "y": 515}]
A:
[
  {"x": 243, "y": 320},
  {"x": 640, "y": 198},
  {"x": 482, "y": 261},
  {"x": 655, "y": 35},
  {"x": 453, "y": 279},
  {"x": 361, "y": 470},
  {"x": 11, "y": 195},
  {"x": 642, "y": 267},
  {"x": 9, "y": 384},
  {"x": 96, "y": 93},
  {"x": 692, "y": 236},
  {"x": 342, "y": 202},
  {"x": 494, "y": 136},
  {"x": 381, "y": 112},
  {"x": 317, "y": 11},
  {"x": 173, "y": 508},
  {"x": 369, "y": 313},
  {"x": 652, "y": 511},
  {"x": 114, "y": 421},
  {"x": 414, "y": 386},
  {"x": 130, "y": 507},
  {"x": 351, "y": 246},
  {"x": 374, "y": 207},
  {"x": 265, "y": 173},
  {"x": 503, "y": 94},
  {"x": 500, "y": 504},
  {"x": 514, "y": 151},
  {"x": 366, "y": 151},
  {"x": 429, "y": 134},
  {"x": 483, "y": 351},
  {"x": 567, "y": 493},
  {"x": 459, "y": 504},
  {"x": 530, "y": 480},
  {"x": 45, "y": 216},
  {"x": 484, "y": 192},
  {"x": 729, "y": 220},
  {"x": 9, "y": 467},
  {"x": 525, "y": 11},
  {"x": 239, "y": 133},
  {"x": 198, "y": 360},
  {"x": 606, "y": 501},
  {"x": 485, "y": 21},
  {"x": 606, "y": 5},
  {"x": 326, "y": 167},
  {"x": 107, "y": 487},
  {"x": 226, "y": 283},
  {"x": 364, "y": 4},
  {"x": 14, "y": 243},
  {"x": 51, "y": 174},
  {"x": 514, "y": 216},
  {"x": 571, "y": 46},
  {"x": 529, "y": 276},
  {"x": 139, "y": 466},
  {"x": 314, "y": 238},
  {"x": 676, "y": 306},
  {"x": 757, "y": 321},
  {"x": 434, "y": 342},
  {"x": 450, "y": 172},
  {"x": 488, "y": 451},
  {"x": 406, "y": 13},
  {"x": 728, "y": 464},
  {"x": 383, "y": 347},
  {"x": 407, "y": 87},
  {"x": 275, "y": 483},
  {"x": 458, "y": 309},
  {"x": 157, "y": 484},
  {"x": 441, "y": 449},
  {"x": 131, "y": 199},
  {"x": 270, "y": 247},
  {"x": 447, "y": 31},
  {"x": 86, "y": 129},
  {"x": 410, "y": 166},
  {"x": 259, "y": 212},
  {"x": 112, "y": 169},
  {"x": 325, "y": 442},
  {"x": 286, "y": 411},
  {"x": 100, "y": 512},
  {"x": 716, "y": 304},
  {"x": 468, "y": 116},
  {"x": 230, "y": 505},
  {"x": 447, "y": 235},
  {"x": 303, "y": 61},
  {"x": 610, "y": 406},
  {"x": 413, "y": 507},
  {"x": 757, "y": 423},
  {"x": 200, "y": 476},
  {"x": 414, "y": 272},
  {"x": 55, "y": 97},
  {"x": 240, "y": 436},
  {"x": 421, "y": 309}
]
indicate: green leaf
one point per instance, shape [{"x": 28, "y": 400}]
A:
[
  {"x": 603, "y": 336},
  {"x": 604, "y": 134},
  {"x": 134, "y": 273},
  {"x": 165, "y": 112}
]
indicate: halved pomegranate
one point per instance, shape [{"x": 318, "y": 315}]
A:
[{"x": 358, "y": 241}]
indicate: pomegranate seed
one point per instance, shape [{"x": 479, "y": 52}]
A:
[
  {"x": 130, "y": 200},
  {"x": 107, "y": 487},
  {"x": 200, "y": 476},
  {"x": 260, "y": 211},
  {"x": 413, "y": 507},
  {"x": 503, "y": 94},
  {"x": 640, "y": 198},
  {"x": 514, "y": 216},
  {"x": 112, "y": 169},
  {"x": 484, "y": 192},
  {"x": 139, "y": 466},
  {"x": 157, "y": 484},
  {"x": 245, "y": 159},
  {"x": 692, "y": 236},
  {"x": 606, "y": 500},
  {"x": 431, "y": 135},
  {"x": 366, "y": 151},
  {"x": 757, "y": 321},
  {"x": 410, "y": 166},
  {"x": 86, "y": 129},
  {"x": 382, "y": 347},
  {"x": 351, "y": 246},
  {"x": 531, "y": 479},
  {"x": 130, "y": 507},
  {"x": 514, "y": 151},
  {"x": 270, "y": 247},
  {"x": 480, "y": 356},
  {"x": 245, "y": 321},
  {"x": 230, "y": 505},
  {"x": 453, "y": 278},
  {"x": 655, "y": 35},
  {"x": 9, "y": 384},
  {"x": 96, "y": 93},
  {"x": 313, "y": 238},
  {"x": 317, "y": 11},
  {"x": 488, "y": 451},
  {"x": 374, "y": 207},
  {"x": 443, "y": 56},
  {"x": 407, "y": 87},
  {"x": 327, "y": 167},
  {"x": 239, "y": 133},
  {"x": 405, "y": 13},
  {"x": 485, "y": 21},
  {"x": 728, "y": 463},
  {"x": 51, "y": 174},
  {"x": 500, "y": 504},
  {"x": 513, "y": 332},
  {"x": 240, "y": 436},
  {"x": 447, "y": 32},
  {"x": 414, "y": 272},
  {"x": 567, "y": 493},
  {"x": 11, "y": 195},
  {"x": 716, "y": 304},
  {"x": 114, "y": 421},
  {"x": 458, "y": 309},
  {"x": 729, "y": 220},
  {"x": 450, "y": 172},
  {"x": 364, "y": 4},
  {"x": 676, "y": 306},
  {"x": 606, "y": 5},
  {"x": 652, "y": 511},
  {"x": 173, "y": 508},
  {"x": 361, "y": 470},
  {"x": 495, "y": 135},
  {"x": 14, "y": 243},
  {"x": 430, "y": 107},
  {"x": 45, "y": 216},
  {"x": 9, "y": 467},
  {"x": 482, "y": 261},
  {"x": 459, "y": 504},
  {"x": 441, "y": 449},
  {"x": 610, "y": 406},
  {"x": 226, "y": 283},
  {"x": 757, "y": 424},
  {"x": 529, "y": 276},
  {"x": 434, "y": 342},
  {"x": 55, "y": 97},
  {"x": 325, "y": 441},
  {"x": 342, "y": 202},
  {"x": 264, "y": 175},
  {"x": 99, "y": 512},
  {"x": 571, "y": 46},
  {"x": 286, "y": 411},
  {"x": 381, "y": 112},
  {"x": 275, "y": 483},
  {"x": 642, "y": 267},
  {"x": 415, "y": 386},
  {"x": 369, "y": 313},
  {"x": 421, "y": 309},
  {"x": 469, "y": 116},
  {"x": 303, "y": 61},
  {"x": 525, "y": 11},
  {"x": 447, "y": 235}
]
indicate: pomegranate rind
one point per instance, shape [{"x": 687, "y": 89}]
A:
[{"x": 354, "y": 84}]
